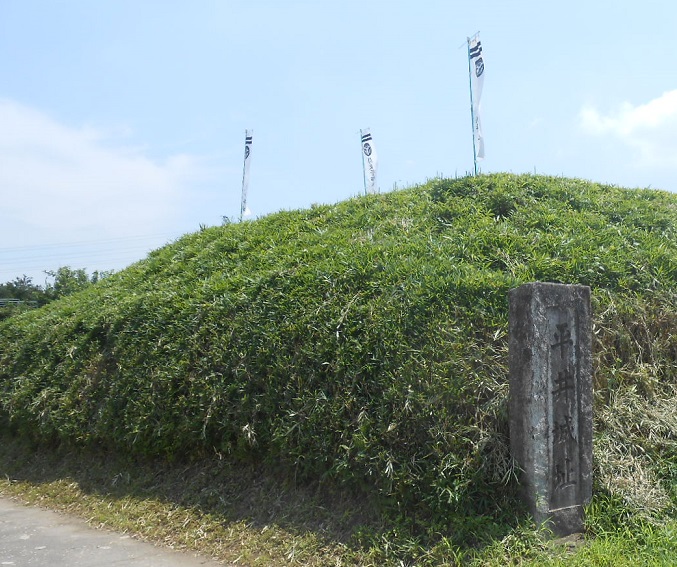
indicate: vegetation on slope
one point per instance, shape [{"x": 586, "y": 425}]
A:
[{"x": 365, "y": 343}]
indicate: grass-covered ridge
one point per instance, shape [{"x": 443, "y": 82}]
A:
[{"x": 366, "y": 343}]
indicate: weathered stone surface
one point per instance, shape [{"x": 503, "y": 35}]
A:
[{"x": 550, "y": 364}]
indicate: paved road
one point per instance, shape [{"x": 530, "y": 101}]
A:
[{"x": 33, "y": 537}]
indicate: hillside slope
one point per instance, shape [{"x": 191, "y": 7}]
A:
[{"x": 366, "y": 343}]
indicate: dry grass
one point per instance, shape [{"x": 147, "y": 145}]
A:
[
  {"x": 238, "y": 516},
  {"x": 634, "y": 427}
]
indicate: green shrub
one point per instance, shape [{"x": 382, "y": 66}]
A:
[{"x": 363, "y": 342}]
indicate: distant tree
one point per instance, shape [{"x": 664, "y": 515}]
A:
[
  {"x": 99, "y": 275},
  {"x": 68, "y": 281},
  {"x": 23, "y": 289}
]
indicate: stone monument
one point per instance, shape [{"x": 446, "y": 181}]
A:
[{"x": 550, "y": 363}]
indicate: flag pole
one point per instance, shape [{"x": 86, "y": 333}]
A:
[
  {"x": 364, "y": 173},
  {"x": 243, "y": 200},
  {"x": 472, "y": 111}
]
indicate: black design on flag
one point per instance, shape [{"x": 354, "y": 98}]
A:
[
  {"x": 369, "y": 162},
  {"x": 479, "y": 67},
  {"x": 247, "y": 143},
  {"x": 366, "y": 144}
]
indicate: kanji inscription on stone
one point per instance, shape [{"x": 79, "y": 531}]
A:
[
  {"x": 551, "y": 400},
  {"x": 564, "y": 411}
]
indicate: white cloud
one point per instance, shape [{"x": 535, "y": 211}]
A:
[
  {"x": 54, "y": 176},
  {"x": 60, "y": 184},
  {"x": 650, "y": 129}
]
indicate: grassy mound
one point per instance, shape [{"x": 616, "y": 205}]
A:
[{"x": 365, "y": 343}]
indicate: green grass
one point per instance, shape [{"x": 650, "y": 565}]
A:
[{"x": 363, "y": 346}]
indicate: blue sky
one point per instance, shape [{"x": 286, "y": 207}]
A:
[{"x": 122, "y": 122}]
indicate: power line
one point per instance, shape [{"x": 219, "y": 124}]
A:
[
  {"x": 102, "y": 254},
  {"x": 76, "y": 243}
]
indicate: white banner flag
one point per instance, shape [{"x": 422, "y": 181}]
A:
[
  {"x": 244, "y": 210},
  {"x": 369, "y": 162},
  {"x": 476, "y": 82}
]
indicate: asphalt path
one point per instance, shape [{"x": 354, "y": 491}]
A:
[{"x": 34, "y": 537}]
